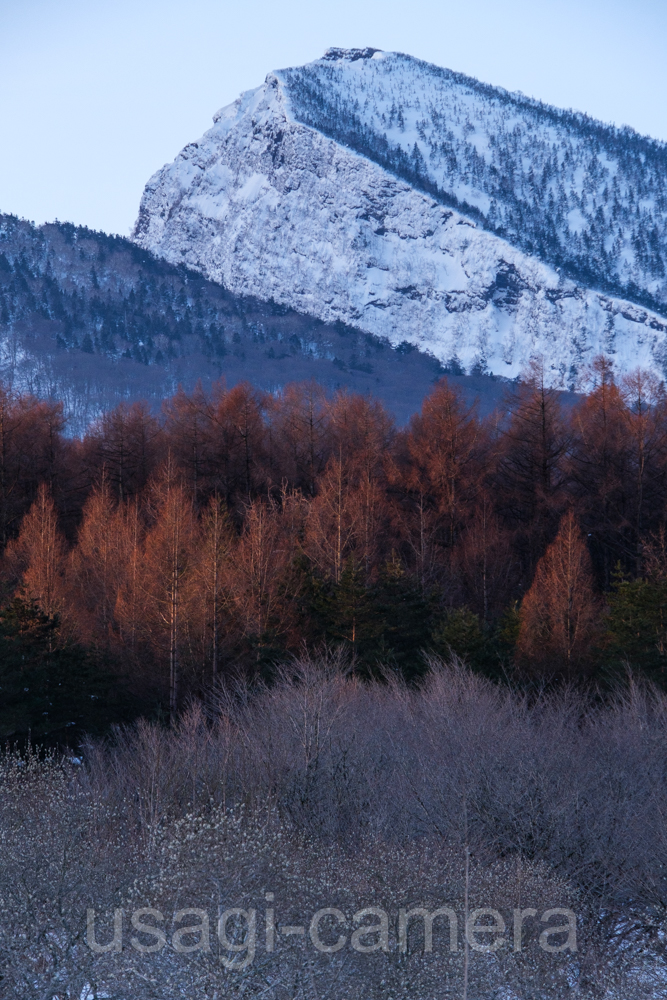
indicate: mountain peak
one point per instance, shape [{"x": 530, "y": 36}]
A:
[
  {"x": 350, "y": 55},
  {"x": 421, "y": 205}
]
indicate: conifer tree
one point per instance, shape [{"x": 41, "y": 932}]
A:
[
  {"x": 238, "y": 443},
  {"x": 439, "y": 473},
  {"x": 646, "y": 417},
  {"x": 485, "y": 564},
  {"x": 361, "y": 432},
  {"x": 529, "y": 484},
  {"x": 331, "y": 524},
  {"x": 257, "y": 575},
  {"x": 560, "y": 614},
  {"x": 98, "y": 566},
  {"x": 188, "y": 437},
  {"x": 11, "y": 492},
  {"x": 129, "y": 610},
  {"x": 348, "y": 614},
  {"x": 125, "y": 446},
  {"x": 300, "y": 440},
  {"x": 636, "y": 625},
  {"x": 598, "y": 467},
  {"x": 40, "y": 550}
]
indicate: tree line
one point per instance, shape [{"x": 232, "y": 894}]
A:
[{"x": 155, "y": 555}]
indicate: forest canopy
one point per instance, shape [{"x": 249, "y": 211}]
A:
[{"x": 156, "y": 555}]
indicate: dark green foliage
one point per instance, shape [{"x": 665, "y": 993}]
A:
[
  {"x": 637, "y": 626},
  {"x": 384, "y": 624},
  {"x": 461, "y": 632},
  {"x": 390, "y": 623},
  {"x": 50, "y": 691},
  {"x": 344, "y": 614},
  {"x": 453, "y": 367},
  {"x": 407, "y": 614},
  {"x": 507, "y": 632}
]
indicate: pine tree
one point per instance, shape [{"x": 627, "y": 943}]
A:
[
  {"x": 406, "y": 613},
  {"x": 460, "y": 632},
  {"x": 636, "y": 625},
  {"x": 348, "y": 615},
  {"x": 51, "y": 689}
]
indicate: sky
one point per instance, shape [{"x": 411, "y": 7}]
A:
[{"x": 96, "y": 95}]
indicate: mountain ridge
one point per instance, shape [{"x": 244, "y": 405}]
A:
[
  {"x": 624, "y": 141},
  {"x": 270, "y": 205}
]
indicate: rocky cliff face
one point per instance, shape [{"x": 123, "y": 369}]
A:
[{"x": 268, "y": 204}]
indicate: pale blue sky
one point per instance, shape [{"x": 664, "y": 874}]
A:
[{"x": 96, "y": 95}]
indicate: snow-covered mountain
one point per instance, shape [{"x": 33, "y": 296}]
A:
[{"x": 422, "y": 206}]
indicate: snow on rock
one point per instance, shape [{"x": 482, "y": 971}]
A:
[{"x": 271, "y": 207}]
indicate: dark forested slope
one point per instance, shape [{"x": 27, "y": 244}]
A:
[{"x": 92, "y": 319}]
